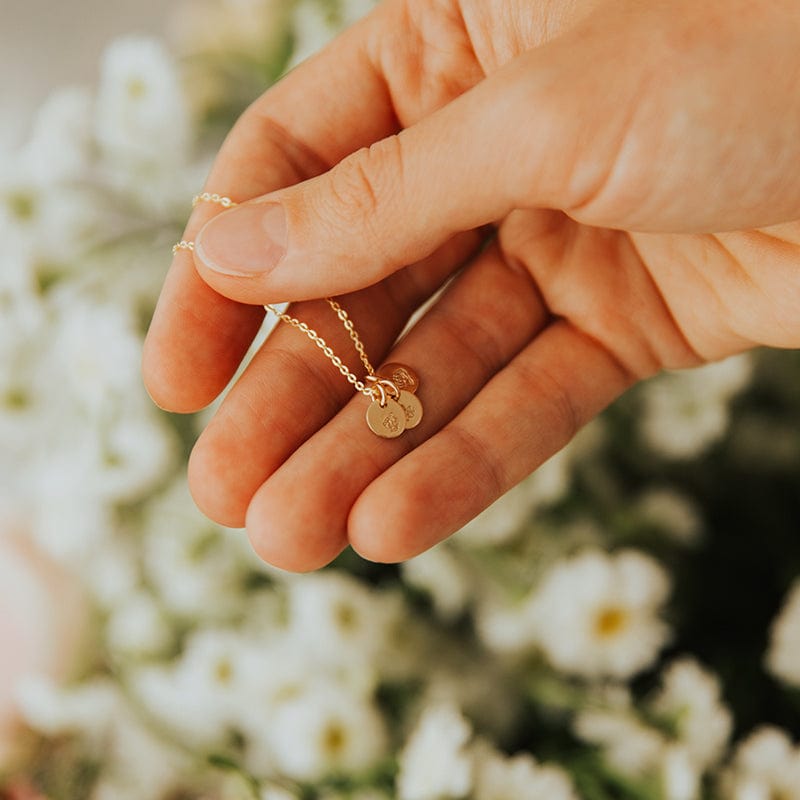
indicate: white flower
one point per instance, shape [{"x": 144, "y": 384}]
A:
[
  {"x": 22, "y": 323},
  {"x": 133, "y": 761},
  {"x": 686, "y": 412},
  {"x": 766, "y": 766},
  {"x": 680, "y": 775},
  {"x": 325, "y": 730},
  {"x": 79, "y": 471},
  {"x": 137, "y": 763},
  {"x": 337, "y": 619},
  {"x": 520, "y": 777},
  {"x": 783, "y": 655},
  {"x": 597, "y": 614},
  {"x": 110, "y": 570},
  {"x": 214, "y": 673},
  {"x": 137, "y": 627},
  {"x": 507, "y": 516},
  {"x": 276, "y": 793},
  {"x": 46, "y": 223},
  {"x": 141, "y": 112},
  {"x": 690, "y": 698},
  {"x": 505, "y": 626},
  {"x": 27, "y": 411},
  {"x": 119, "y": 460},
  {"x": 629, "y": 746},
  {"x": 88, "y": 709},
  {"x": 671, "y": 512},
  {"x": 96, "y": 352},
  {"x": 281, "y": 681},
  {"x": 439, "y": 573},
  {"x": 69, "y": 517},
  {"x": 189, "y": 559},
  {"x": 695, "y": 732},
  {"x": 60, "y": 146},
  {"x": 134, "y": 456},
  {"x": 435, "y": 763}
]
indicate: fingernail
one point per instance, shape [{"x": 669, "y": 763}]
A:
[{"x": 248, "y": 240}]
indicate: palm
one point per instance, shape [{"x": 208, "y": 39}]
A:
[
  {"x": 659, "y": 301},
  {"x": 537, "y": 334}
]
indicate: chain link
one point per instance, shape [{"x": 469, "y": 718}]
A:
[{"x": 352, "y": 378}]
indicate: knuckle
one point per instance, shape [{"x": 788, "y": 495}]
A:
[
  {"x": 361, "y": 187},
  {"x": 548, "y": 391},
  {"x": 488, "y": 472},
  {"x": 353, "y": 186}
]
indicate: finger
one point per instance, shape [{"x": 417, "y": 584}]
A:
[
  {"x": 483, "y": 319},
  {"x": 527, "y": 413},
  {"x": 289, "y": 390},
  {"x": 523, "y": 137},
  {"x": 327, "y": 107}
]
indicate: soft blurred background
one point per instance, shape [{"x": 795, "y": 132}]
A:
[
  {"x": 44, "y": 44},
  {"x": 624, "y": 625}
]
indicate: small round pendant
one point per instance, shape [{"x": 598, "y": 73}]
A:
[
  {"x": 412, "y": 407},
  {"x": 388, "y": 420},
  {"x": 403, "y": 377}
]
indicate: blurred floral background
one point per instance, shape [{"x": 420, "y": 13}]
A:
[{"x": 624, "y": 625}]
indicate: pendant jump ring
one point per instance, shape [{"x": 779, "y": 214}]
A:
[
  {"x": 379, "y": 394},
  {"x": 386, "y": 383},
  {"x": 394, "y": 392}
]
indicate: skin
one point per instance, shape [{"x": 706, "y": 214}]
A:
[{"x": 635, "y": 169}]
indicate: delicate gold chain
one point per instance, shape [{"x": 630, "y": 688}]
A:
[
  {"x": 352, "y": 378},
  {"x": 350, "y": 328},
  {"x": 337, "y": 362},
  {"x": 207, "y": 197}
]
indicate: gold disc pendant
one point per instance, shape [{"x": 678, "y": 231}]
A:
[
  {"x": 412, "y": 407},
  {"x": 403, "y": 377},
  {"x": 387, "y": 419}
]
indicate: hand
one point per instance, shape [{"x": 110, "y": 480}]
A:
[{"x": 631, "y": 156}]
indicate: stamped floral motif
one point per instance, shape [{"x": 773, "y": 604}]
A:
[{"x": 391, "y": 423}]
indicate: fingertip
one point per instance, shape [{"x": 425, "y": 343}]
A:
[
  {"x": 385, "y": 527},
  {"x": 195, "y": 342},
  {"x": 282, "y": 537},
  {"x": 158, "y": 377},
  {"x": 172, "y": 391},
  {"x": 208, "y": 474}
]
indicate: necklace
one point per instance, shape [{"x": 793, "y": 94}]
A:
[{"x": 394, "y": 406}]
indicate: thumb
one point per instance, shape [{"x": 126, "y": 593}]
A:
[{"x": 514, "y": 140}]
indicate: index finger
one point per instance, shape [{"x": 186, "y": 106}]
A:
[{"x": 334, "y": 103}]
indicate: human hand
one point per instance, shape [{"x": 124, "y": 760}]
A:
[{"x": 631, "y": 156}]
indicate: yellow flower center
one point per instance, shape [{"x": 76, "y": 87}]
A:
[
  {"x": 137, "y": 88},
  {"x": 346, "y": 617},
  {"x": 611, "y": 621},
  {"x": 22, "y": 205},
  {"x": 334, "y": 739},
  {"x": 223, "y": 671}
]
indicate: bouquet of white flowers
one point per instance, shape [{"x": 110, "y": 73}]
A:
[{"x": 623, "y": 624}]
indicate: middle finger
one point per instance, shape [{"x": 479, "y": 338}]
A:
[
  {"x": 290, "y": 390},
  {"x": 298, "y": 519}
]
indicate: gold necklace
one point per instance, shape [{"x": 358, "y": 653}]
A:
[{"x": 394, "y": 406}]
